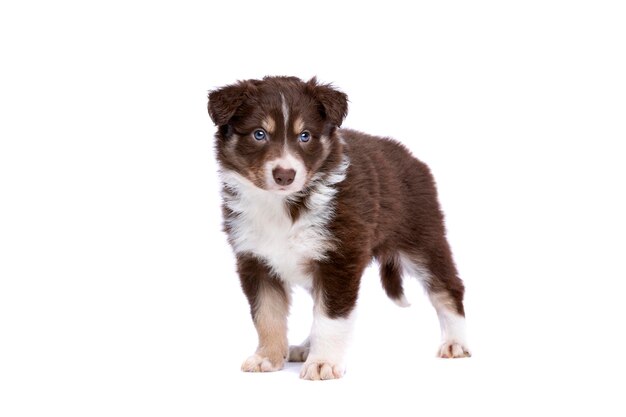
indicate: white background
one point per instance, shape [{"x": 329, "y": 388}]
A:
[{"x": 118, "y": 294}]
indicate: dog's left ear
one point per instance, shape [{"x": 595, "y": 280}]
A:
[
  {"x": 224, "y": 102},
  {"x": 333, "y": 103}
]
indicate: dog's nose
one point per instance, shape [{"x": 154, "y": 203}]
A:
[{"x": 283, "y": 176}]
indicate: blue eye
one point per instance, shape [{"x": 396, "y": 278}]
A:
[
  {"x": 305, "y": 136},
  {"x": 259, "y": 134}
]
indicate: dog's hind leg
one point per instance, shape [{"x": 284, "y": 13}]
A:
[
  {"x": 445, "y": 289},
  {"x": 299, "y": 353}
]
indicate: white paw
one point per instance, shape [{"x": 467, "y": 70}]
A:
[
  {"x": 316, "y": 370},
  {"x": 258, "y": 363},
  {"x": 298, "y": 353},
  {"x": 452, "y": 349}
]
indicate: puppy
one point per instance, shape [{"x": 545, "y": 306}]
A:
[{"x": 307, "y": 203}]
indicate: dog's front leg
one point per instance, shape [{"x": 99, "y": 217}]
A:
[
  {"x": 335, "y": 292},
  {"x": 269, "y": 306}
]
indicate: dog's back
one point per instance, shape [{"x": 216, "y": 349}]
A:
[{"x": 394, "y": 196}]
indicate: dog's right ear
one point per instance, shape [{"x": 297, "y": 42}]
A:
[{"x": 224, "y": 102}]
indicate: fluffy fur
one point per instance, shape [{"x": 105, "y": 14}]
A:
[{"x": 307, "y": 203}]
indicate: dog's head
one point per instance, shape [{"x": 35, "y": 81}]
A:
[{"x": 279, "y": 131}]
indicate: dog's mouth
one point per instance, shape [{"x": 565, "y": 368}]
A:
[{"x": 283, "y": 190}]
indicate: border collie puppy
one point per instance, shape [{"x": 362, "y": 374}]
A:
[{"x": 307, "y": 203}]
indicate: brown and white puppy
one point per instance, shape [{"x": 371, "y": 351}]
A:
[{"x": 306, "y": 203}]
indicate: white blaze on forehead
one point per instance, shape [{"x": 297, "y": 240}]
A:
[{"x": 285, "y": 111}]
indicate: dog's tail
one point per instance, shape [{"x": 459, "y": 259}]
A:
[{"x": 391, "y": 278}]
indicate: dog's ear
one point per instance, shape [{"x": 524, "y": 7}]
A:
[
  {"x": 333, "y": 103},
  {"x": 224, "y": 102}
]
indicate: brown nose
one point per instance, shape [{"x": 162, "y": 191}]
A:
[{"x": 283, "y": 176}]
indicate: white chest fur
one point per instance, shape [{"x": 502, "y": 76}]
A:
[{"x": 262, "y": 226}]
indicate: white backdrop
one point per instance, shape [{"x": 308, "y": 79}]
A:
[{"x": 118, "y": 294}]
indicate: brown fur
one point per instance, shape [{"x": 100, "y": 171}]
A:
[{"x": 387, "y": 206}]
